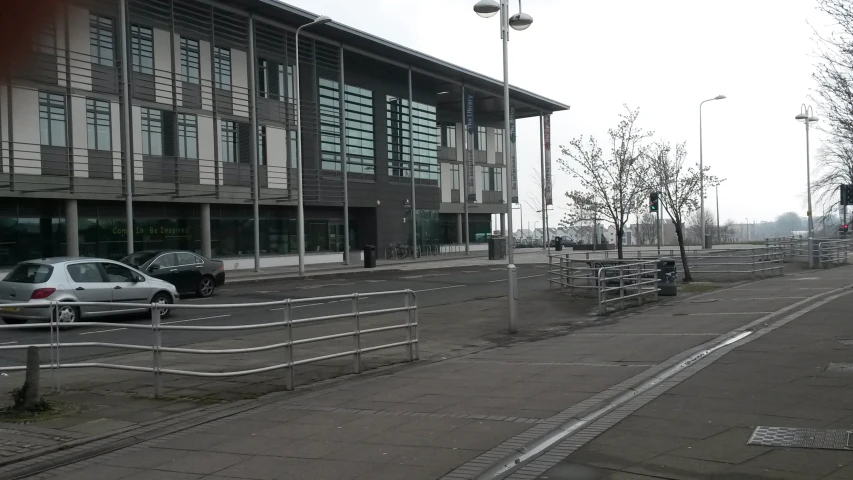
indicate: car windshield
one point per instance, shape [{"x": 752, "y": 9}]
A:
[
  {"x": 136, "y": 260},
  {"x": 29, "y": 273}
]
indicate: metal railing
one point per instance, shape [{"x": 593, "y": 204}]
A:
[
  {"x": 287, "y": 325},
  {"x": 618, "y": 284},
  {"x": 832, "y": 252},
  {"x": 577, "y": 271}
]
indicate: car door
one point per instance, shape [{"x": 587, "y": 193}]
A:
[
  {"x": 190, "y": 270},
  {"x": 164, "y": 268},
  {"x": 125, "y": 288},
  {"x": 90, "y": 285}
]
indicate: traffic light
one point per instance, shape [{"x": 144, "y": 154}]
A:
[
  {"x": 847, "y": 194},
  {"x": 653, "y": 202}
]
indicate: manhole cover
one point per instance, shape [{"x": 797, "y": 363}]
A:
[
  {"x": 840, "y": 367},
  {"x": 801, "y": 438}
]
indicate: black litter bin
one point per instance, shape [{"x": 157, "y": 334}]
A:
[
  {"x": 558, "y": 244},
  {"x": 497, "y": 248},
  {"x": 666, "y": 277},
  {"x": 370, "y": 256}
]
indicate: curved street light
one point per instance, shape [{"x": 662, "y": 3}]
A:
[
  {"x": 807, "y": 116},
  {"x": 300, "y": 203},
  {"x": 702, "y": 173},
  {"x": 519, "y": 21}
]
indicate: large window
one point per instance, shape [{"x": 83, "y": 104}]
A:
[
  {"x": 425, "y": 141},
  {"x": 187, "y": 136},
  {"x": 480, "y": 139},
  {"x": 492, "y": 179},
  {"x": 454, "y": 173},
  {"x": 222, "y": 68},
  {"x": 228, "y": 152},
  {"x": 190, "y": 60},
  {"x": 448, "y": 135},
  {"x": 98, "y": 124},
  {"x": 152, "y": 132},
  {"x": 101, "y": 40},
  {"x": 142, "y": 49},
  {"x": 499, "y": 140},
  {"x": 52, "y": 119},
  {"x": 272, "y": 81},
  {"x": 263, "y": 82},
  {"x": 45, "y": 39},
  {"x": 359, "y": 123},
  {"x": 330, "y": 124}
]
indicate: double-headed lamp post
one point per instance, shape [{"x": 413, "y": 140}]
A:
[
  {"x": 702, "y": 173},
  {"x": 519, "y": 21},
  {"x": 806, "y": 116},
  {"x": 300, "y": 204}
]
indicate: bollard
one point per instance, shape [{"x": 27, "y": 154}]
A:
[{"x": 31, "y": 382}]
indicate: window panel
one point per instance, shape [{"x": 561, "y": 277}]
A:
[
  {"x": 142, "y": 49},
  {"x": 152, "y": 132},
  {"x": 455, "y": 177},
  {"x": 358, "y": 115},
  {"x": 499, "y": 140},
  {"x": 101, "y": 40},
  {"x": 98, "y": 124},
  {"x": 190, "y": 60},
  {"x": 229, "y": 141},
  {"x": 52, "y": 119},
  {"x": 187, "y": 136},
  {"x": 493, "y": 179},
  {"x": 480, "y": 139},
  {"x": 262, "y": 145},
  {"x": 423, "y": 144},
  {"x": 222, "y": 68}
]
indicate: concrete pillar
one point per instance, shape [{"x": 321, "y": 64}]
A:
[
  {"x": 503, "y": 225},
  {"x": 72, "y": 229},
  {"x": 205, "y": 229},
  {"x": 460, "y": 238}
]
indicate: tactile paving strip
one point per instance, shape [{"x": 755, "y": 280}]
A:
[{"x": 801, "y": 438}]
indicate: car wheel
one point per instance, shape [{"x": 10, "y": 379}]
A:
[
  {"x": 206, "y": 286},
  {"x": 67, "y": 314},
  {"x": 163, "y": 299},
  {"x": 14, "y": 321}
]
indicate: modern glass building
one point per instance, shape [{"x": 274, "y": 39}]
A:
[{"x": 161, "y": 123}]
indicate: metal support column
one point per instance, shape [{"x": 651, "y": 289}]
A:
[
  {"x": 545, "y": 243},
  {"x": 205, "y": 230},
  {"x": 72, "y": 229},
  {"x": 253, "y": 100},
  {"x": 503, "y": 225},
  {"x": 343, "y": 103},
  {"x": 412, "y": 169},
  {"x": 464, "y": 180},
  {"x": 458, "y": 228},
  {"x": 127, "y": 138}
]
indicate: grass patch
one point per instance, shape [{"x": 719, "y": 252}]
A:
[{"x": 699, "y": 287}]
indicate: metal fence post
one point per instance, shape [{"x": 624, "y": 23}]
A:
[
  {"x": 54, "y": 347},
  {"x": 601, "y": 307},
  {"x": 356, "y": 339},
  {"x": 289, "y": 383},
  {"x": 621, "y": 287},
  {"x": 156, "y": 358},
  {"x": 409, "y": 350}
]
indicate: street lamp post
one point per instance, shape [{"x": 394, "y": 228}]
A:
[
  {"x": 806, "y": 116},
  {"x": 717, "y": 197},
  {"x": 519, "y": 21},
  {"x": 300, "y": 204},
  {"x": 702, "y": 173}
]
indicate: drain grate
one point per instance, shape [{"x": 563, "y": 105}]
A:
[{"x": 801, "y": 438}]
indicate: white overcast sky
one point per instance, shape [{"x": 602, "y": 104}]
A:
[{"x": 664, "y": 56}]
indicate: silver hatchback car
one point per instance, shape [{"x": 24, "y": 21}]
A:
[{"x": 79, "y": 279}]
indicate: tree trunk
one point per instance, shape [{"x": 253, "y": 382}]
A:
[
  {"x": 619, "y": 234},
  {"x": 680, "y": 234}
]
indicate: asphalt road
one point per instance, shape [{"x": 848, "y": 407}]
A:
[{"x": 433, "y": 287}]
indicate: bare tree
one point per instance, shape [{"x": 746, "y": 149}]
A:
[
  {"x": 679, "y": 187},
  {"x": 534, "y": 197},
  {"x": 611, "y": 187},
  {"x": 694, "y": 226},
  {"x": 834, "y": 78}
]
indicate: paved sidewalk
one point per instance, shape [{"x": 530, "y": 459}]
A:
[{"x": 453, "y": 419}]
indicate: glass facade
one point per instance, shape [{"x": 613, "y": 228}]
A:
[
  {"x": 142, "y": 49},
  {"x": 52, "y": 119},
  {"x": 30, "y": 230},
  {"x": 425, "y": 141},
  {"x": 361, "y": 153},
  {"x": 222, "y": 68},
  {"x": 152, "y": 132},
  {"x": 189, "y": 60},
  {"x": 187, "y": 136}
]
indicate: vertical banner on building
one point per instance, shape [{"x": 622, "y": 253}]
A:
[
  {"x": 549, "y": 199},
  {"x": 469, "y": 151},
  {"x": 513, "y": 163}
]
